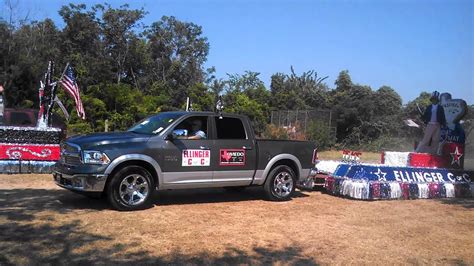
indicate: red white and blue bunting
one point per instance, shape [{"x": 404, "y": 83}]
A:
[
  {"x": 371, "y": 182},
  {"x": 373, "y": 190}
]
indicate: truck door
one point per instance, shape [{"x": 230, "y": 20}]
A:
[
  {"x": 186, "y": 159},
  {"x": 235, "y": 162}
]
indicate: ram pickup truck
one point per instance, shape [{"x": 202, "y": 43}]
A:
[{"x": 181, "y": 150}]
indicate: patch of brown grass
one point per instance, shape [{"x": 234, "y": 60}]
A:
[{"x": 41, "y": 223}]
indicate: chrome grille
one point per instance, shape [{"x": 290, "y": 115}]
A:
[
  {"x": 68, "y": 148},
  {"x": 70, "y": 154},
  {"x": 71, "y": 160}
]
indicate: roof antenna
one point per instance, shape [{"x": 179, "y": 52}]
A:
[{"x": 220, "y": 107}]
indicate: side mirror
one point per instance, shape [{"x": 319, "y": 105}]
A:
[{"x": 170, "y": 137}]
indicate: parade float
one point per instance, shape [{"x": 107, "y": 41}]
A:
[
  {"x": 34, "y": 147},
  {"x": 405, "y": 175}
]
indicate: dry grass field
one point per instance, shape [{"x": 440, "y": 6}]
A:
[{"x": 42, "y": 224}]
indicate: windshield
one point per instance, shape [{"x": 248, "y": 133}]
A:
[{"x": 154, "y": 124}]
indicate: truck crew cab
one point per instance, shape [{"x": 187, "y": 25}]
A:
[{"x": 167, "y": 151}]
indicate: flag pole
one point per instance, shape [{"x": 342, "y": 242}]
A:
[
  {"x": 64, "y": 72},
  {"x": 53, "y": 95}
]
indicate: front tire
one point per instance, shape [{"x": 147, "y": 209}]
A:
[
  {"x": 130, "y": 189},
  {"x": 280, "y": 184}
]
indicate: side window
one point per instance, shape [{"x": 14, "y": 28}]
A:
[
  {"x": 230, "y": 128},
  {"x": 192, "y": 128}
]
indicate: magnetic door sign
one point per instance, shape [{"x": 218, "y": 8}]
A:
[
  {"x": 232, "y": 157},
  {"x": 196, "y": 158}
]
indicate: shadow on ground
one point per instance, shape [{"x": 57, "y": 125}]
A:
[
  {"x": 23, "y": 204},
  {"x": 197, "y": 196},
  {"x": 466, "y": 202},
  {"x": 24, "y": 201},
  {"x": 70, "y": 244},
  {"x": 31, "y": 234}
]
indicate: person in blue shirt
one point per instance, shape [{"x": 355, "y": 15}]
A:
[
  {"x": 196, "y": 130},
  {"x": 434, "y": 118}
]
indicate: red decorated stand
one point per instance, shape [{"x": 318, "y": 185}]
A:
[{"x": 33, "y": 148}]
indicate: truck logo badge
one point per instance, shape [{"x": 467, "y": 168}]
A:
[
  {"x": 196, "y": 158},
  {"x": 232, "y": 157}
]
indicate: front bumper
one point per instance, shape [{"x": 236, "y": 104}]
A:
[{"x": 94, "y": 183}]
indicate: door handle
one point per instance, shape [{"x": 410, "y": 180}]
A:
[
  {"x": 203, "y": 148},
  {"x": 246, "y": 148}
]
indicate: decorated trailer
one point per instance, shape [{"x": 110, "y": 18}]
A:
[
  {"x": 406, "y": 175},
  {"x": 30, "y": 139}
]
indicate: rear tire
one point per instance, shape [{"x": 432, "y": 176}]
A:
[
  {"x": 130, "y": 189},
  {"x": 280, "y": 184}
]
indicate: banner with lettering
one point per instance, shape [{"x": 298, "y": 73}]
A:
[{"x": 406, "y": 174}]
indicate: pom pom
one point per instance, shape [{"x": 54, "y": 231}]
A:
[
  {"x": 395, "y": 190},
  {"x": 435, "y": 191},
  {"x": 449, "y": 187},
  {"x": 413, "y": 188},
  {"x": 385, "y": 190},
  {"x": 423, "y": 191},
  {"x": 374, "y": 190}
]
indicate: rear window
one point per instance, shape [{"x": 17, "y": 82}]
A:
[{"x": 230, "y": 128}]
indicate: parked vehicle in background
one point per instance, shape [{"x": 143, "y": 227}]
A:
[
  {"x": 168, "y": 151},
  {"x": 23, "y": 117}
]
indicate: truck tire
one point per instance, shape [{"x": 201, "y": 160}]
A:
[
  {"x": 130, "y": 189},
  {"x": 280, "y": 184}
]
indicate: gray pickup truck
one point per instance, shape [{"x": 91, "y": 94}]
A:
[{"x": 168, "y": 151}]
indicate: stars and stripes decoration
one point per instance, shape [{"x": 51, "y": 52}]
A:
[
  {"x": 374, "y": 190},
  {"x": 374, "y": 182},
  {"x": 68, "y": 80}
]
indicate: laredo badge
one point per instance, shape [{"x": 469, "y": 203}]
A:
[
  {"x": 232, "y": 157},
  {"x": 196, "y": 158}
]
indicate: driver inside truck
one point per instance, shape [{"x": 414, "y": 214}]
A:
[{"x": 196, "y": 130}]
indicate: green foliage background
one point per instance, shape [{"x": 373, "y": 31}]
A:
[{"x": 127, "y": 70}]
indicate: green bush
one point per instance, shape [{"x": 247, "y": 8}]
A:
[{"x": 320, "y": 133}]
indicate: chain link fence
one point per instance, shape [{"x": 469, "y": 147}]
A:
[{"x": 297, "y": 122}]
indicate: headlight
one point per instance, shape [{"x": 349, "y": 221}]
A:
[{"x": 95, "y": 157}]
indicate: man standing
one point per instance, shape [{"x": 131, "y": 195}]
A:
[{"x": 434, "y": 118}]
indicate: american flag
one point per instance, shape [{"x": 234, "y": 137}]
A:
[{"x": 69, "y": 82}]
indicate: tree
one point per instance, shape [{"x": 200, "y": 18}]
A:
[
  {"x": 343, "y": 82},
  {"x": 24, "y": 54},
  {"x": 387, "y": 102},
  {"x": 415, "y": 107},
  {"x": 320, "y": 133},
  {"x": 299, "y": 92},
  {"x": 82, "y": 45},
  {"x": 118, "y": 25},
  {"x": 178, "y": 53},
  {"x": 246, "y": 94}
]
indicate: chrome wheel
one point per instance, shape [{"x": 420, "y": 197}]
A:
[
  {"x": 283, "y": 184},
  {"x": 133, "y": 189}
]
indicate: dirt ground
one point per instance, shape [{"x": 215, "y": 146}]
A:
[{"x": 40, "y": 223}]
